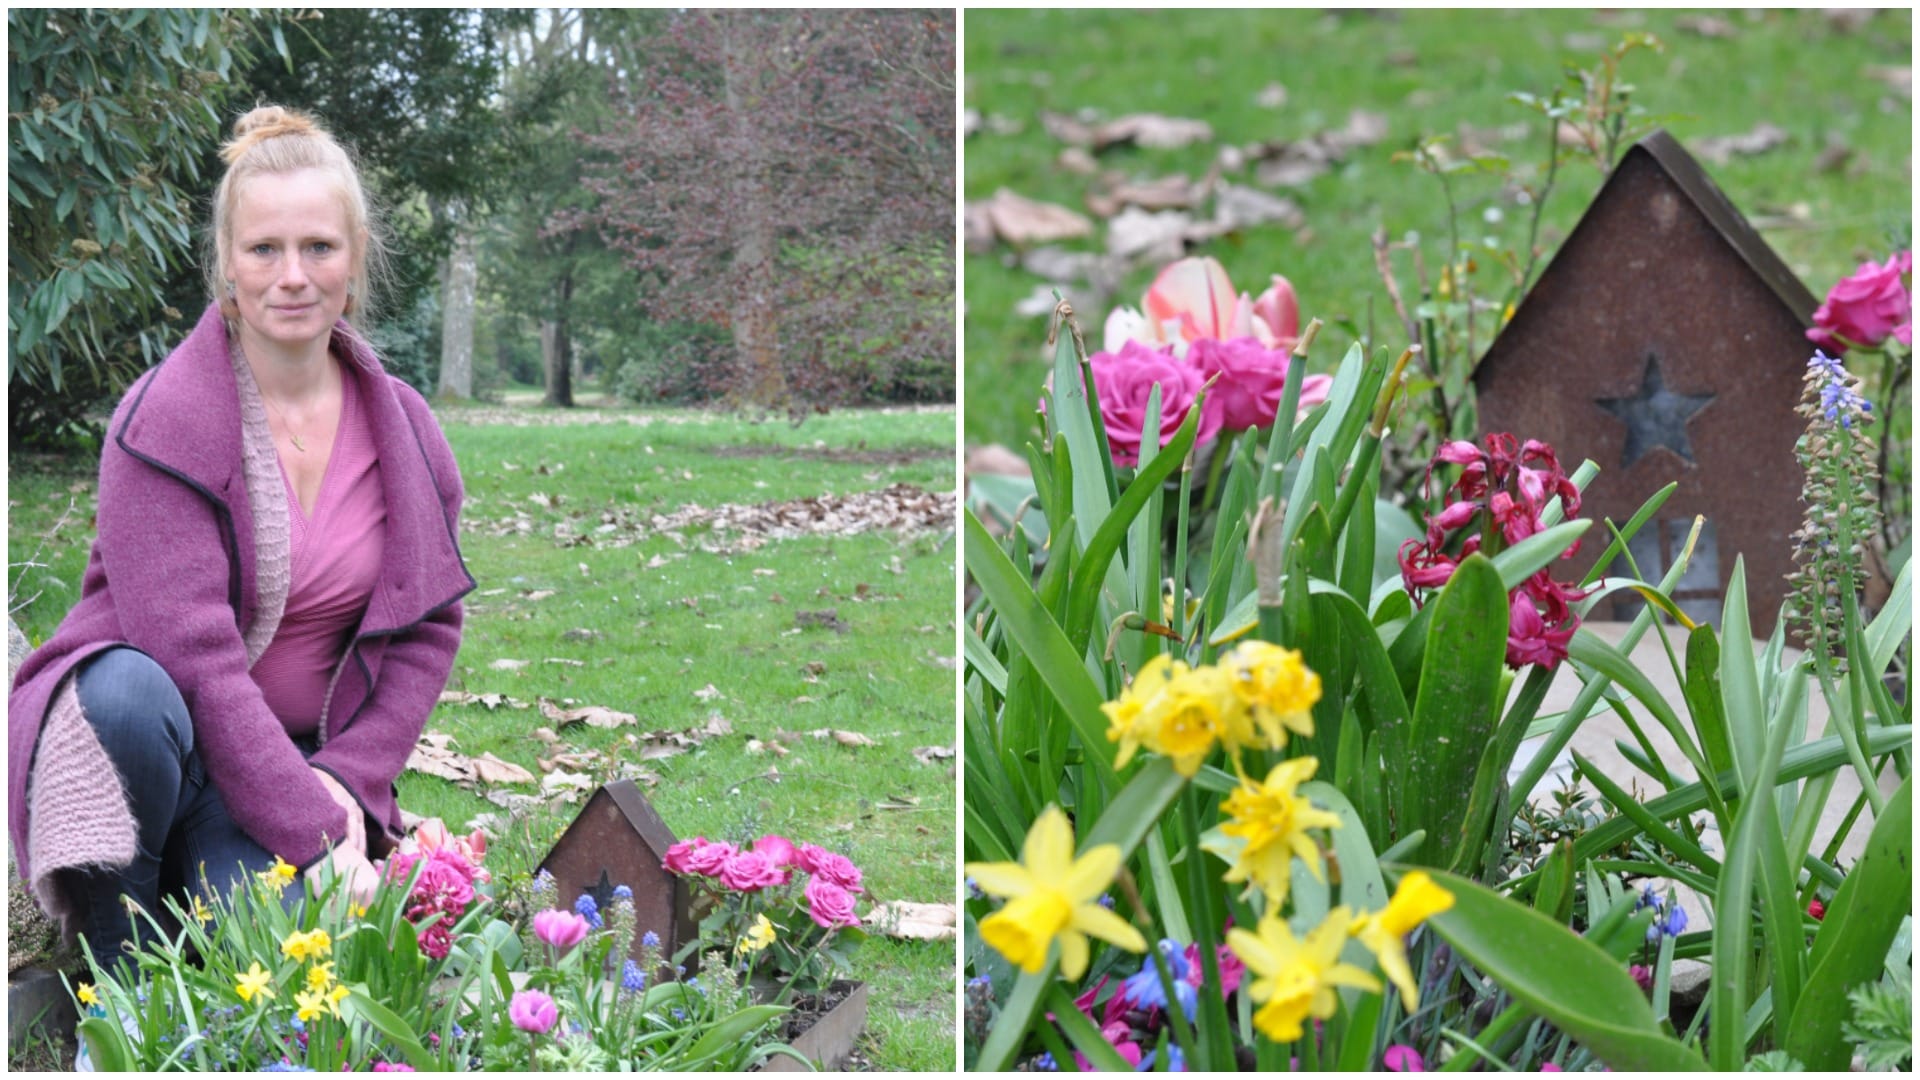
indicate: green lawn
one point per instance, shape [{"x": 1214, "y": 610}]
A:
[
  {"x": 1428, "y": 72},
  {"x": 667, "y": 617}
]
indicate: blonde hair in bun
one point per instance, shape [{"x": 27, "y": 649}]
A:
[{"x": 270, "y": 140}]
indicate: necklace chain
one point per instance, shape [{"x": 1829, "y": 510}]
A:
[{"x": 285, "y": 423}]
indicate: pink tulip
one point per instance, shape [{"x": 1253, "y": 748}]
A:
[
  {"x": 1276, "y": 315},
  {"x": 560, "y": 929},
  {"x": 1400, "y": 1058},
  {"x": 1868, "y": 307},
  {"x": 1190, "y": 299},
  {"x": 1193, "y": 299},
  {"x": 533, "y": 1011}
]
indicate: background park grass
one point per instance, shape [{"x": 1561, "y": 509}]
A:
[
  {"x": 697, "y": 618},
  {"x": 1429, "y": 72}
]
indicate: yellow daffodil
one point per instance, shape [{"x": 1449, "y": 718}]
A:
[
  {"x": 1273, "y": 819},
  {"x": 254, "y": 981},
  {"x": 300, "y": 946},
  {"x": 358, "y": 911},
  {"x": 86, "y": 994},
  {"x": 200, "y": 913},
  {"x": 758, "y": 936},
  {"x": 1052, "y": 895},
  {"x": 279, "y": 875},
  {"x": 320, "y": 976},
  {"x": 1384, "y": 932},
  {"x": 1295, "y": 978},
  {"x": 313, "y": 1005},
  {"x": 1173, "y": 710},
  {"x": 1277, "y": 689},
  {"x": 337, "y": 995}
]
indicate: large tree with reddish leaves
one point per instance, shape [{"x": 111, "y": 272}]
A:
[{"x": 789, "y": 175}]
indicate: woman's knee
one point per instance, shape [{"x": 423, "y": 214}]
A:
[{"x": 133, "y": 704}]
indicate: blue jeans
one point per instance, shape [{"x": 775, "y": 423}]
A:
[{"x": 186, "y": 841}]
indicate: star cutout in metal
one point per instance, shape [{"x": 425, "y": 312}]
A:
[{"x": 1656, "y": 416}]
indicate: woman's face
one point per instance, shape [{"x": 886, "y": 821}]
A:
[{"x": 291, "y": 256}]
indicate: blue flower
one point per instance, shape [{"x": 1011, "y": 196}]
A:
[
  {"x": 650, "y": 939},
  {"x": 588, "y": 910},
  {"x": 974, "y": 891},
  {"x": 1676, "y": 922},
  {"x": 1045, "y": 1063},
  {"x": 1143, "y": 987},
  {"x": 1106, "y": 901},
  {"x": 1647, "y": 899},
  {"x": 980, "y": 980},
  {"x": 544, "y": 877},
  {"x": 283, "y": 1065},
  {"x": 621, "y": 892},
  {"x": 457, "y": 1033},
  {"x": 1176, "y": 1061},
  {"x": 297, "y": 1024},
  {"x": 679, "y": 1014},
  {"x": 632, "y": 978},
  {"x": 1826, "y": 365}
]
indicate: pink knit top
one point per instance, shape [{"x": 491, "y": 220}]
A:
[{"x": 335, "y": 562}]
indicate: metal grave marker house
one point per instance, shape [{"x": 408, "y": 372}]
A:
[
  {"x": 619, "y": 839},
  {"x": 1666, "y": 342}
]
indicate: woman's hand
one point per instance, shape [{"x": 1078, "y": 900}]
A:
[
  {"x": 356, "y": 837},
  {"x": 357, "y": 876}
]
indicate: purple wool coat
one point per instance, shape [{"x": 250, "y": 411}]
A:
[{"x": 190, "y": 566}]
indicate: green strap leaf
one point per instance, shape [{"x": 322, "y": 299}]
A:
[
  {"x": 1457, "y": 707},
  {"x": 1570, "y": 981}
]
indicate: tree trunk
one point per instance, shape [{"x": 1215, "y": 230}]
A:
[
  {"x": 456, "y": 336},
  {"x": 756, "y": 333},
  {"x": 556, "y": 347}
]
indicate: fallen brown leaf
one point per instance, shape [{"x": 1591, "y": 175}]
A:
[
  {"x": 504, "y": 664},
  {"x": 491, "y": 770},
  {"x": 930, "y": 754},
  {"x": 914, "y": 922},
  {"x": 1021, "y": 221},
  {"x": 1721, "y": 149},
  {"x": 593, "y": 715}
]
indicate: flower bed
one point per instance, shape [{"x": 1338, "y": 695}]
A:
[
  {"x": 1238, "y": 786},
  {"x": 427, "y": 977}
]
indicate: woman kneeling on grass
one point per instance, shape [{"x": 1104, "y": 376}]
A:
[{"x": 271, "y": 606}]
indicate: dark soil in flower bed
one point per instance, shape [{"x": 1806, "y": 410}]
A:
[{"x": 834, "y": 1046}]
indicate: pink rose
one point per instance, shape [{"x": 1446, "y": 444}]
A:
[
  {"x": 1252, "y": 379},
  {"x": 778, "y": 849},
  {"x": 709, "y": 857},
  {"x": 1868, "y": 307},
  {"x": 751, "y": 871},
  {"x": 531, "y": 1010},
  {"x": 829, "y": 904},
  {"x": 560, "y": 929},
  {"x": 830, "y": 866},
  {"x": 678, "y": 856},
  {"x": 1124, "y": 381}
]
